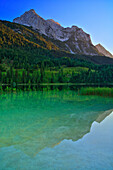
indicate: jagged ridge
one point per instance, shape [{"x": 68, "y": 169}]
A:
[
  {"x": 74, "y": 39},
  {"x": 26, "y": 43}
]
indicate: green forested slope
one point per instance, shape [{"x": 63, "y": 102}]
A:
[
  {"x": 26, "y": 56},
  {"x": 22, "y": 44}
]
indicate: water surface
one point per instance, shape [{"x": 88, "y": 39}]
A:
[{"x": 55, "y": 130}]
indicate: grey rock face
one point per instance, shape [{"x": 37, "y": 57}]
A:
[
  {"x": 30, "y": 18},
  {"x": 102, "y": 50},
  {"x": 75, "y": 39}
]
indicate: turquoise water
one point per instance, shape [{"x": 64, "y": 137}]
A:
[{"x": 55, "y": 130}]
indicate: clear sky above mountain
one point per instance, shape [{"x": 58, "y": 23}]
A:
[{"x": 94, "y": 16}]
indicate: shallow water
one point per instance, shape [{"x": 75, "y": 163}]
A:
[{"x": 55, "y": 130}]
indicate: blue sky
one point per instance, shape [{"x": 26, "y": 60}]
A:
[{"x": 93, "y": 16}]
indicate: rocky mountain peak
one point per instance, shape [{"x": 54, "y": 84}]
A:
[
  {"x": 32, "y": 10},
  {"x": 103, "y": 51},
  {"x": 31, "y": 18},
  {"x": 74, "y": 39}
]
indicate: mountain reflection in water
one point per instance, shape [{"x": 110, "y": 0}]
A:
[{"x": 31, "y": 122}]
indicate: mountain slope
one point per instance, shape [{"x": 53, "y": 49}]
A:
[
  {"x": 73, "y": 39},
  {"x": 23, "y": 45},
  {"x": 103, "y": 51},
  {"x": 17, "y": 34}
]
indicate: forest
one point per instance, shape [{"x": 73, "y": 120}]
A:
[{"x": 26, "y": 57}]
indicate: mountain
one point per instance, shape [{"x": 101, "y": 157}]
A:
[
  {"x": 34, "y": 57},
  {"x": 73, "y": 40},
  {"x": 24, "y": 46},
  {"x": 103, "y": 51}
]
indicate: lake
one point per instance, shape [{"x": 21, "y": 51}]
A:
[{"x": 55, "y": 129}]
